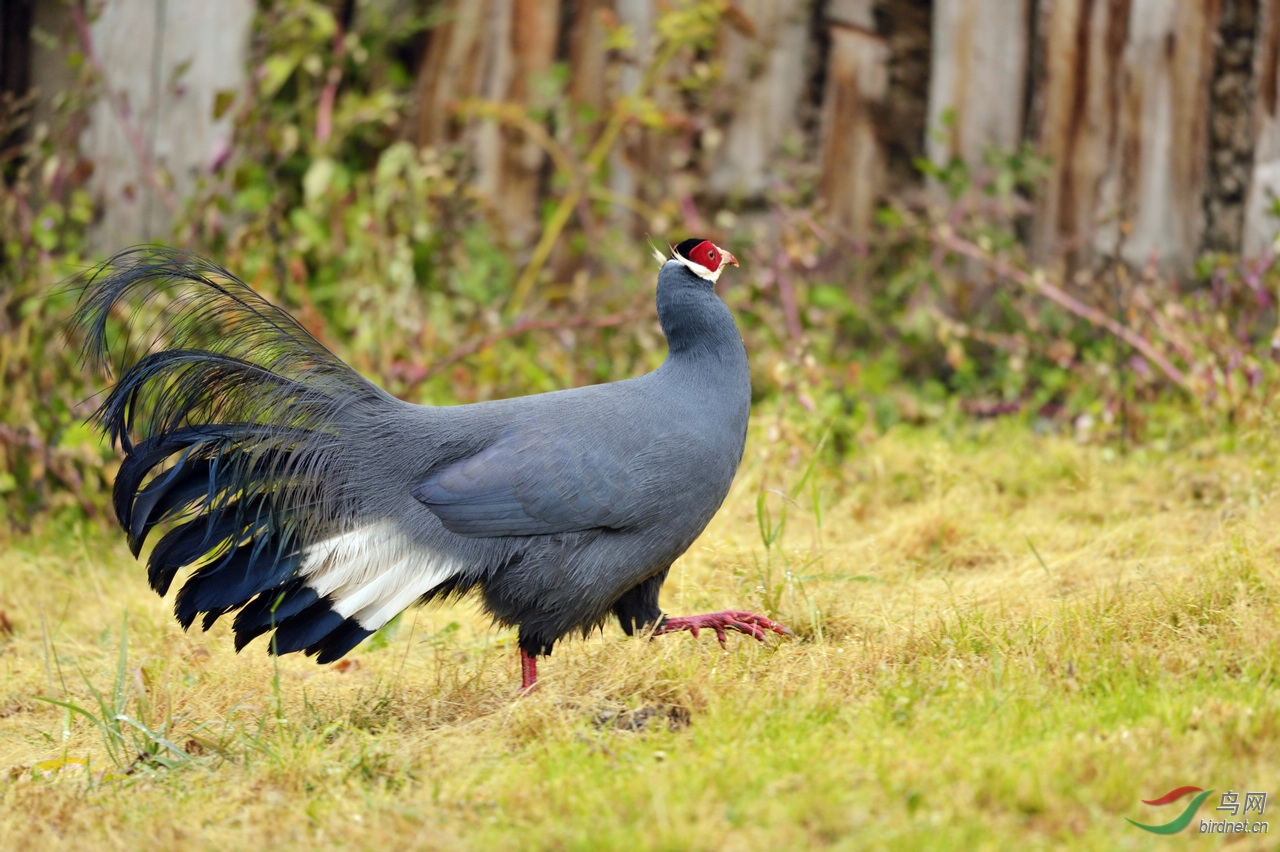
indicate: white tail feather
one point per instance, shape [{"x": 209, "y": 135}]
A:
[{"x": 372, "y": 573}]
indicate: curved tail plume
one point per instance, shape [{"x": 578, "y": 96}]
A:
[{"x": 232, "y": 419}]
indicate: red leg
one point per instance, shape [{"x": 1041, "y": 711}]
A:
[
  {"x": 743, "y": 622},
  {"x": 528, "y": 672}
]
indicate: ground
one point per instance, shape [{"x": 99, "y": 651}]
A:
[{"x": 1003, "y": 640}]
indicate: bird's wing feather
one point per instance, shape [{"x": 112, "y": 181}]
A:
[{"x": 533, "y": 482}]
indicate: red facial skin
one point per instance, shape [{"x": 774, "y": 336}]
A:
[{"x": 710, "y": 256}]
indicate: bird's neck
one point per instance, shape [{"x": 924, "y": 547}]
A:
[
  {"x": 698, "y": 325},
  {"x": 703, "y": 342}
]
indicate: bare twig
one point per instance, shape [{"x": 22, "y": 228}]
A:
[
  {"x": 1036, "y": 282},
  {"x": 416, "y": 375},
  {"x": 515, "y": 115}
]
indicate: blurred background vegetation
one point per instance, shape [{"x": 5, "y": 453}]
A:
[{"x": 944, "y": 210}]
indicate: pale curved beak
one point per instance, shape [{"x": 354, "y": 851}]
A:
[{"x": 728, "y": 258}]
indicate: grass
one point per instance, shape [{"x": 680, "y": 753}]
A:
[{"x": 1003, "y": 640}]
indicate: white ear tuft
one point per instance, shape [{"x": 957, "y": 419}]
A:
[
  {"x": 657, "y": 253},
  {"x": 697, "y": 268}
]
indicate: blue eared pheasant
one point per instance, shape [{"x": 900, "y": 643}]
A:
[{"x": 315, "y": 506}]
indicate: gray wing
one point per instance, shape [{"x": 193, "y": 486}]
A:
[{"x": 534, "y": 482}]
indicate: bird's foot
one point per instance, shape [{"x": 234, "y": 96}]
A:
[
  {"x": 743, "y": 622},
  {"x": 528, "y": 672}
]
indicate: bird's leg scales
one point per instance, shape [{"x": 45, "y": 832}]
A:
[
  {"x": 528, "y": 672},
  {"x": 743, "y": 622}
]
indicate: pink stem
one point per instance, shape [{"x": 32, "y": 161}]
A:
[
  {"x": 1088, "y": 313},
  {"x": 329, "y": 94}
]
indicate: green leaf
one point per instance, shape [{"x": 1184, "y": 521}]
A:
[
  {"x": 275, "y": 71},
  {"x": 222, "y": 102},
  {"x": 317, "y": 179}
]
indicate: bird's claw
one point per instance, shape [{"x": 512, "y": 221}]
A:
[{"x": 743, "y": 622}]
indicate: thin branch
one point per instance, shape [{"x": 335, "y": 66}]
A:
[
  {"x": 602, "y": 193},
  {"x": 1037, "y": 282},
  {"x": 415, "y": 375},
  {"x": 515, "y": 115}
]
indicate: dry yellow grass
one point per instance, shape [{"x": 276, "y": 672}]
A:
[{"x": 1002, "y": 639}]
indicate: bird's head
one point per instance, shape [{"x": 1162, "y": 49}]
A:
[{"x": 703, "y": 257}]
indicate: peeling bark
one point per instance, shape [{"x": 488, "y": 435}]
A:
[
  {"x": 907, "y": 28},
  {"x": 1260, "y": 225},
  {"x": 1124, "y": 126},
  {"x": 495, "y": 50},
  {"x": 1231, "y": 137},
  {"x": 765, "y": 75},
  {"x": 979, "y": 77},
  {"x": 857, "y": 83}
]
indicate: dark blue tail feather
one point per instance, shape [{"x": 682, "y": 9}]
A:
[
  {"x": 307, "y": 628},
  {"x": 227, "y": 419},
  {"x": 339, "y": 641},
  {"x": 186, "y": 488},
  {"x": 138, "y": 463},
  {"x": 246, "y": 571},
  {"x": 270, "y": 608}
]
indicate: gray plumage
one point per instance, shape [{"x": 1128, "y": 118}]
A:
[{"x": 315, "y": 505}]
